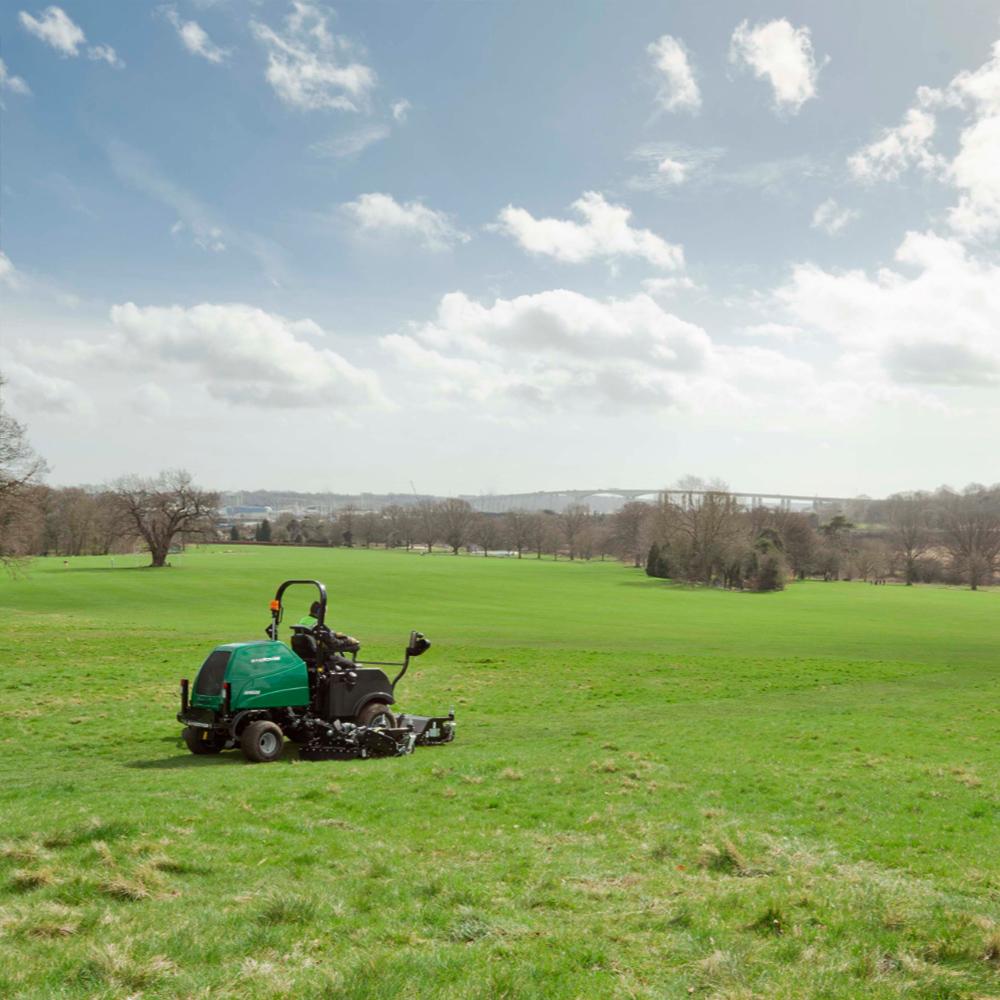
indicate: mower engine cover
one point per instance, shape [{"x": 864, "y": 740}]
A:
[{"x": 263, "y": 674}]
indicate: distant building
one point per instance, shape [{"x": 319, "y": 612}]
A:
[{"x": 246, "y": 512}]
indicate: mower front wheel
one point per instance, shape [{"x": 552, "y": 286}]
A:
[
  {"x": 201, "y": 741},
  {"x": 377, "y": 715},
  {"x": 261, "y": 742}
]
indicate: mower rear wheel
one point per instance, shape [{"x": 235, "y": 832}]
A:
[
  {"x": 203, "y": 741},
  {"x": 377, "y": 715},
  {"x": 261, "y": 742}
]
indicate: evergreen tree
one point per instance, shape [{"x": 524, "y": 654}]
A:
[
  {"x": 657, "y": 562},
  {"x": 234, "y": 534}
]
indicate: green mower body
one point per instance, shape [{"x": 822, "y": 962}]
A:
[{"x": 263, "y": 674}]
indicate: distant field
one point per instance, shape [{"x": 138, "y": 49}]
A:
[{"x": 655, "y": 792}]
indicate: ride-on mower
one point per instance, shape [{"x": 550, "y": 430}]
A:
[{"x": 317, "y": 693}]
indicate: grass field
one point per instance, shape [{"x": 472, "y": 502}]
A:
[{"x": 655, "y": 792}]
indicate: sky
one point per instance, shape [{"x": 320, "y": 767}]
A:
[{"x": 503, "y": 246}]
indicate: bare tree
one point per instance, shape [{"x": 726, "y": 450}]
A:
[
  {"x": 163, "y": 508},
  {"x": 486, "y": 532},
  {"x": 799, "y": 539},
  {"x": 838, "y": 536},
  {"x": 398, "y": 530},
  {"x": 709, "y": 535},
  {"x": 572, "y": 523},
  {"x": 909, "y": 532},
  {"x": 370, "y": 528},
  {"x": 971, "y": 524},
  {"x": 346, "y": 523},
  {"x": 456, "y": 518},
  {"x": 538, "y": 532},
  {"x": 112, "y": 531},
  {"x": 517, "y": 528},
  {"x": 628, "y": 530},
  {"x": 20, "y": 471},
  {"x": 426, "y": 527}
]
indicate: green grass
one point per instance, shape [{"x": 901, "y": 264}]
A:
[{"x": 655, "y": 791}]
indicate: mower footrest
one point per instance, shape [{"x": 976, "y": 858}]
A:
[{"x": 430, "y": 730}]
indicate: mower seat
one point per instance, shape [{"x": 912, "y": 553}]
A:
[{"x": 304, "y": 646}]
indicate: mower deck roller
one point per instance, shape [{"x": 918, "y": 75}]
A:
[{"x": 314, "y": 692}]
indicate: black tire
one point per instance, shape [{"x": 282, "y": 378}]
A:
[
  {"x": 202, "y": 741},
  {"x": 261, "y": 742},
  {"x": 377, "y": 715}
]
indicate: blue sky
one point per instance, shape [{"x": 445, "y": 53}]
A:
[{"x": 503, "y": 245}]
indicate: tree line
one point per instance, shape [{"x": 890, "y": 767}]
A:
[{"x": 945, "y": 536}]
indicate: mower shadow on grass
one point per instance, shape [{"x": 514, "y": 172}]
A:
[{"x": 187, "y": 760}]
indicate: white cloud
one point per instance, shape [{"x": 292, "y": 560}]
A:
[
  {"x": 105, "y": 53},
  {"x": 15, "y": 84},
  {"x": 56, "y": 28},
  {"x": 150, "y": 401},
  {"x": 194, "y": 38},
  {"x": 898, "y": 149},
  {"x": 139, "y": 171},
  {"x": 605, "y": 233},
  {"x": 352, "y": 143},
  {"x": 8, "y": 273},
  {"x": 555, "y": 348},
  {"x": 671, "y": 170},
  {"x": 309, "y": 67},
  {"x": 936, "y": 327},
  {"x": 669, "y": 164},
  {"x": 41, "y": 392},
  {"x": 204, "y": 236},
  {"x": 381, "y": 214},
  {"x": 400, "y": 109},
  {"x": 241, "y": 355},
  {"x": 832, "y": 218},
  {"x": 662, "y": 288},
  {"x": 678, "y": 88},
  {"x": 774, "y": 331},
  {"x": 972, "y": 170},
  {"x": 206, "y": 230},
  {"x": 783, "y": 55},
  {"x": 562, "y": 351}
]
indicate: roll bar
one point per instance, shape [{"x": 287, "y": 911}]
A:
[{"x": 277, "y": 610}]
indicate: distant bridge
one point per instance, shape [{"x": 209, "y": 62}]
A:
[{"x": 608, "y": 500}]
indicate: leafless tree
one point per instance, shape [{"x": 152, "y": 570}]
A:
[
  {"x": 347, "y": 524},
  {"x": 20, "y": 471},
  {"x": 455, "y": 518},
  {"x": 485, "y": 530},
  {"x": 538, "y": 532},
  {"x": 398, "y": 530},
  {"x": 517, "y": 525},
  {"x": 629, "y": 526},
  {"x": 871, "y": 559},
  {"x": 708, "y": 535},
  {"x": 572, "y": 523},
  {"x": 164, "y": 507},
  {"x": 370, "y": 529},
  {"x": 426, "y": 527},
  {"x": 799, "y": 540},
  {"x": 971, "y": 524},
  {"x": 909, "y": 530}
]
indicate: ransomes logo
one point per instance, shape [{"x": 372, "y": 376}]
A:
[{"x": 266, "y": 659}]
